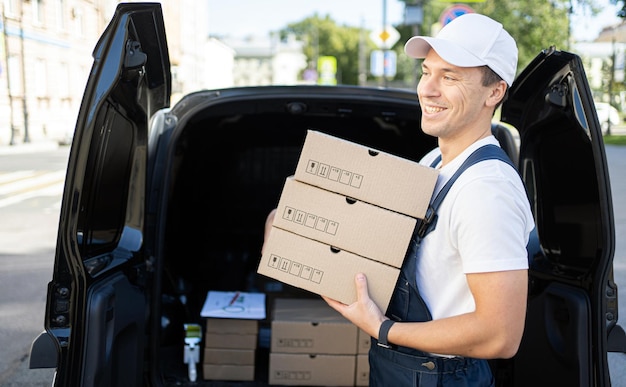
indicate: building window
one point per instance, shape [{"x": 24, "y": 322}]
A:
[
  {"x": 14, "y": 72},
  {"x": 59, "y": 11},
  {"x": 37, "y": 8},
  {"x": 41, "y": 78},
  {"x": 77, "y": 15},
  {"x": 10, "y": 7},
  {"x": 63, "y": 86}
]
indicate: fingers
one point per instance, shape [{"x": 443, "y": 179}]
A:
[
  {"x": 338, "y": 306},
  {"x": 329, "y": 301},
  {"x": 268, "y": 226},
  {"x": 362, "y": 292}
]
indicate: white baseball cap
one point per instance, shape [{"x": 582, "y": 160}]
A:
[{"x": 471, "y": 40}]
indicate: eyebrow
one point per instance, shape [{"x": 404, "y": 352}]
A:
[{"x": 453, "y": 70}]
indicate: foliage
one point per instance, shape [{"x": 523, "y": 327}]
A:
[
  {"x": 323, "y": 37},
  {"x": 622, "y": 12},
  {"x": 614, "y": 140},
  {"x": 535, "y": 25}
]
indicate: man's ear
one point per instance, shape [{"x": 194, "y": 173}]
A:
[{"x": 498, "y": 91}]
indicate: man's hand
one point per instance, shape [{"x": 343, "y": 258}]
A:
[
  {"x": 268, "y": 226},
  {"x": 363, "y": 313}
]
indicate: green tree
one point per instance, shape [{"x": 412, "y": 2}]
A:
[
  {"x": 323, "y": 37},
  {"x": 534, "y": 24}
]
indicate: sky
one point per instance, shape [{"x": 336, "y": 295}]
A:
[
  {"x": 240, "y": 18},
  {"x": 586, "y": 28},
  {"x": 258, "y": 17}
]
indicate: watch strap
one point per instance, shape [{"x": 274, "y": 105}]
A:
[{"x": 383, "y": 332}]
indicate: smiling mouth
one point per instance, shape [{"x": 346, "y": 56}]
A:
[{"x": 432, "y": 109}]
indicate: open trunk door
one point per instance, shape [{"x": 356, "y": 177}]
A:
[
  {"x": 97, "y": 302},
  {"x": 572, "y": 308}
]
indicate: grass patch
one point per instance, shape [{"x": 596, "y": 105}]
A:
[{"x": 615, "y": 140}]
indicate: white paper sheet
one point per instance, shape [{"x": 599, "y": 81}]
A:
[{"x": 241, "y": 305}]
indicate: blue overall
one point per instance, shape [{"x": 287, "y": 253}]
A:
[{"x": 399, "y": 366}]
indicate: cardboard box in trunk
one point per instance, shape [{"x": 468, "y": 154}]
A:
[
  {"x": 229, "y": 356},
  {"x": 362, "y": 374},
  {"x": 231, "y": 325},
  {"x": 323, "y": 270},
  {"x": 366, "y": 174},
  {"x": 311, "y": 326},
  {"x": 230, "y": 340},
  {"x": 228, "y": 364},
  {"x": 228, "y": 333},
  {"x": 364, "y": 342},
  {"x": 295, "y": 369},
  {"x": 337, "y": 220},
  {"x": 228, "y": 372}
]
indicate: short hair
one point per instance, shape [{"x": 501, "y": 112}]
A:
[{"x": 489, "y": 78}]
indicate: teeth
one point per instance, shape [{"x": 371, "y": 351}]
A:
[{"x": 431, "y": 109}]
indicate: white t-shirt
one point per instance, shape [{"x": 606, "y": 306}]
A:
[{"x": 482, "y": 226}]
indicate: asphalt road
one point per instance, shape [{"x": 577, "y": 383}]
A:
[
  {"x": 616, "y": 157},
  {"x": 28, "y": 229}
]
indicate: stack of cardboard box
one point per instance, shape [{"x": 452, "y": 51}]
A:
[
  {"x": 362, "y": 374},
  {"x": 311, "y": 345},
  {"x": 231, "y": 334},
  {"x": 230, "y": 349},
  {"x": 347, "y": 209}
]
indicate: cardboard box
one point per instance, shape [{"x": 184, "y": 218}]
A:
[
  {"x": 230, "y": 340},
  {"x": 228, "y": 372},
  {"x": 337, "y": 220},
  {"x": 231, "y": 333},
  {"x": 364, "y": 341},
  {"x": 231, "y": 325},
  {"x": 311, "y": 326},
  {"x": 229, "y": 356},
  {"x": 311, "y": 370},
  {"x": 366, "y": 174},
  {"x": 362, "y": 374},
  {"x": 318, "y": 268}
]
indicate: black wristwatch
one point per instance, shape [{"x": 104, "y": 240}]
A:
[{"x": 383, "y": 332}]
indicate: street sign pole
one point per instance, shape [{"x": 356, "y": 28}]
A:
[{"x": 385, "y": 36}]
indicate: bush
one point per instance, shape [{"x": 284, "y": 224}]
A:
[{"x": 615, "y": 140}]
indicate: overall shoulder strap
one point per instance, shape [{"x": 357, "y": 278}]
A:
[{"x": 485, "y": 152}]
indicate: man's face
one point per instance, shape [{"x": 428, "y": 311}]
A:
[{"x": 452, "y": 98}]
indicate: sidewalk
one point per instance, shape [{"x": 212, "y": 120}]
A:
[{"x": 30, "y": 147}]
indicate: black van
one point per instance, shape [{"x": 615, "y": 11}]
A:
[{"x": 164, "y": 204}]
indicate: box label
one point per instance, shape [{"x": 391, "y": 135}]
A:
[
  {"x": 317, "y": 267},
  {"x": 295, "y": 268},
  {"x": 334, "y": 173},
  {"x": 366, "y": 174}
]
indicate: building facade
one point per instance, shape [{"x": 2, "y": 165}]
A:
[
  {"x": 45, "y": 58},
  {"x": 604, "y": 59},
  {"x": 260, "y": 61}
]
